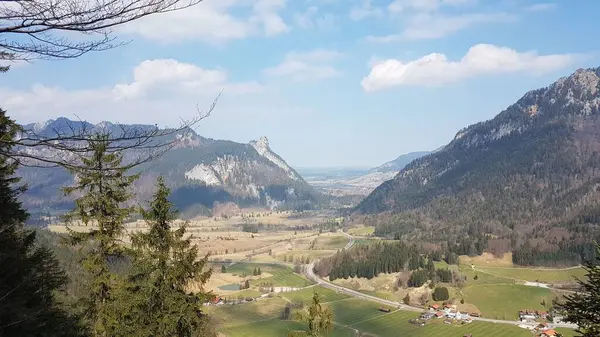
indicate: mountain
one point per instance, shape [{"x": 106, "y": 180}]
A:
[
  {"x": 200, "y": 171},
  {"x": 535, "y": 164},
  {"x": 359, "y": 182},
  {"x": 399, "y": 163}
]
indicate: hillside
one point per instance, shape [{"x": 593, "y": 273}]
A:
[
  {"x": 399, "y": 163},
  {"x": 534, "y": 164},
  {"x": 200, "y": 171}
]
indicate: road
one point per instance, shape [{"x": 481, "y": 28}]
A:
[{"x": 310, "y": 274}]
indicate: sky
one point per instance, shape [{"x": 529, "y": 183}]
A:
[{"x": 330, "y": 83}]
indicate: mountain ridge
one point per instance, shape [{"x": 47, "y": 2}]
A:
[
  {"x": 534, "y": 163},
  {"x": 200, "y": 171}
]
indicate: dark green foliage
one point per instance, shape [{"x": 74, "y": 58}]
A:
[
  {"x": 223, "y": 269},
  {"x": 103, "y": 181},
  {"x": 451, "y": 258},
  {"x": 418, "y": 278},
  {"x": 370, "y": 260},
  {"x": 567, "y": 254},
  {"x": 406, "y": 299},
  {"x": 444, "y": 275},
  {"x": 30, "y": 274},
  {"x": 582, "y": 308},
  {"x": 319, "y": 319},
  {"x": 154, "y": 300},
  {"x": 441, "y": 294}
]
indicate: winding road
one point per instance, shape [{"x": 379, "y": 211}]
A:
[{"x": 310, "y": 274}]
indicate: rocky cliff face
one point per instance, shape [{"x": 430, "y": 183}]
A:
[
  {"x": 537, "y": 161},
  {"x": 200, "y": 171}
]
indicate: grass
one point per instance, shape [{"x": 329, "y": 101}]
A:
[
  {"x": 306, "y": 295},
  {"x": 566, "y": 332},
  {"x": 503, "y": 301},
  {"x": 396, "y": 324},
  {"x": 330, "y": 242},
  {"x": 362, "y": 231},
  {"x": 278, "y": 328},
  {"x": 351, "y": 311},
  {"x": 536, "y": 274},
  {"x": 238, "y": 314},
  {"x": 282, "y": 276}
]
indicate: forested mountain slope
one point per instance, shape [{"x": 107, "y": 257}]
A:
[{"x": 537, "y": 162}]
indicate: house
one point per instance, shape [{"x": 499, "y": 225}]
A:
[
  {"x": 439, "y": 314},
  {"x": 449, "y": 306},
  {"x": 384, "y": 309},
  {"x": 542, "y": 326},
  {"x": 451, "y": 314},
  {"x": 475, "y": 314},
  {"x": 427, "y": 315},
  {"x": 543, "y": 314},
  {"x": 549, "y": 333},
  {"x": 434, "y": 307},
  {"x": 447, "y": 321},
  {"x": 217, "y": 300}
]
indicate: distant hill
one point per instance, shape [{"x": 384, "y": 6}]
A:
[
  {"x": 535, "y": 164},
  {"x": 357, "y": 182},
  {"x": 200, "y": 171},
  {"x": 399, "y": 163}
]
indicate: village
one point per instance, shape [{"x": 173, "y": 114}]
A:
[{"x": 533, "y": 320}]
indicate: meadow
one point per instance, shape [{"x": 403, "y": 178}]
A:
[
  {"x": 503, "y": 301},
  {"x": 536, "y": 274},
  {"x": 280, "y": 275}
]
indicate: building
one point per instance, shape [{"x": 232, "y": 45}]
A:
[
  {"x": 435, "y": 307},
  {"x": 549, "y": 333}
]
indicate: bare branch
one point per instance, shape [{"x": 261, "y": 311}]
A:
[
  {"x": 35, "y": 29},
  {"x": 66, "y": 146}
]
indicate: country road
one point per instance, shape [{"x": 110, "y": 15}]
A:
[{"x": 310, "y": 274}]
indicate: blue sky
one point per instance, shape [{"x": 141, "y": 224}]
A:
[{"x": 329, "y": 82}]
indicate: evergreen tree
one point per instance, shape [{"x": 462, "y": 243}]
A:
[
  {"x": 156, "y": 302},
  {"x": 30, "y": 275},
  {"x": 259, "y": 272},
  {"x": 223, "y": 269},
  {"x": 103, "y": 181},
  {"x": 319, "y": 320},
  {"x": 582, "y": 308}
]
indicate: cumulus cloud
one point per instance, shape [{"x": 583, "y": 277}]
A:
[
  {"x": 482, "y": 59},
  {"x": 307, "y": 66},
  {"x": 213, "y": 21},
  {"x": 158, "y": 87}
]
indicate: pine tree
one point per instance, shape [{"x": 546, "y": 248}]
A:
[
  {"x": 223, "y": 269},
  {"x": 103, "y": 181},
  {"x": 259, "y": 272},
  {"x": 156, "y": 300},
  {"x": 30, "y": 275},
  {"x": 319, "y": 320},
  {"x": 582, "y": 308}
]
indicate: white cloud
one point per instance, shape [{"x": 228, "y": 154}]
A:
[
  {"x": 158, "y": 87},
  {"x": 482, "y": 59},
  {"x": 313, "y": 65},
  {"x": 311, "y": 18},
  {"x": 541, "y": 7},
  {"x": 398, "y": 6},
  {"x": 213, "y": 21},
  {"x": 365, "y": 10},
  {"x": 425, "y": 26}
]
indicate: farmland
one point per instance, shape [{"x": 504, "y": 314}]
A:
[
  {"x": 278, "y": 275},
  {"x": 349, "y": 315},
  {"x": 536, "y": 274}
]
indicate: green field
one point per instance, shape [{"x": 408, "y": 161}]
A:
[
  {"x": 306, "y": 295},
  {"x": 396, "y": 324},
  {"x": 362, "y": 231},
  {"x": 330, "y": 242},
  {"x": 535, "y": 274},
  {"x": 232, "y": 315},
  {"x": 503, "y": 301},
  {"x": 282, "y": 276},
  {"x": 354, "y": 314}
]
